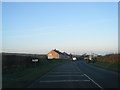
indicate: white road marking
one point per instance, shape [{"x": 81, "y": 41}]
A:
[
  {"x": 93, "y": 81},
  {"x": 90, "y": 79}
]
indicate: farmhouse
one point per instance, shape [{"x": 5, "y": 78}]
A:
[{"x": 55, "y": 54}]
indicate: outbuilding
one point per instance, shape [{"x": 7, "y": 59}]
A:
[{"x": 55, "y": 54}]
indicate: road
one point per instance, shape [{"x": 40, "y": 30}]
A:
[{"x": 77, "y": 74}]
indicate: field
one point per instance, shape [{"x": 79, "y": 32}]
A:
[
  {"x": 19, "y": 71},
  {"x": 110, "y": 62}
]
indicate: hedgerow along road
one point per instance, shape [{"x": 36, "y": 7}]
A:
[{"x": 77, "y": 74}]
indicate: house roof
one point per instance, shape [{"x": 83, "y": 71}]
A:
[
  {"x": 58, "y": 51},
  {"x": 64, "y": 53}
]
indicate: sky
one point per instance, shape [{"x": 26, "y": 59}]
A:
[{"x": 73, "y": 27}]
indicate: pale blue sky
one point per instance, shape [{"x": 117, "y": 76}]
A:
[{"x": 72, "y": 27}]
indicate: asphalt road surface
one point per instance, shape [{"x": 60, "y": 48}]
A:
[{"x": 77, "y": 74}]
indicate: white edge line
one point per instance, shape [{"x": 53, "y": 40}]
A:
[{"x": 93, "y": 81}]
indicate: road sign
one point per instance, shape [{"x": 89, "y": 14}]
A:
[{"x": 34, "y": 60}]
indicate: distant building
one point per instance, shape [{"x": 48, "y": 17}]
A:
[{"x": 55, "y": 54}]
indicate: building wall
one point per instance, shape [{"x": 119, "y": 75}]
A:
[{"x": 53, "y": 55}]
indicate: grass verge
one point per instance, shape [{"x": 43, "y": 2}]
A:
[
  {"x": 107, "y": 65},
  {"x": 21, "y": 79}
]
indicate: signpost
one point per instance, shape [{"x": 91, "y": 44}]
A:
[{"x": 35, "y": 61}]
